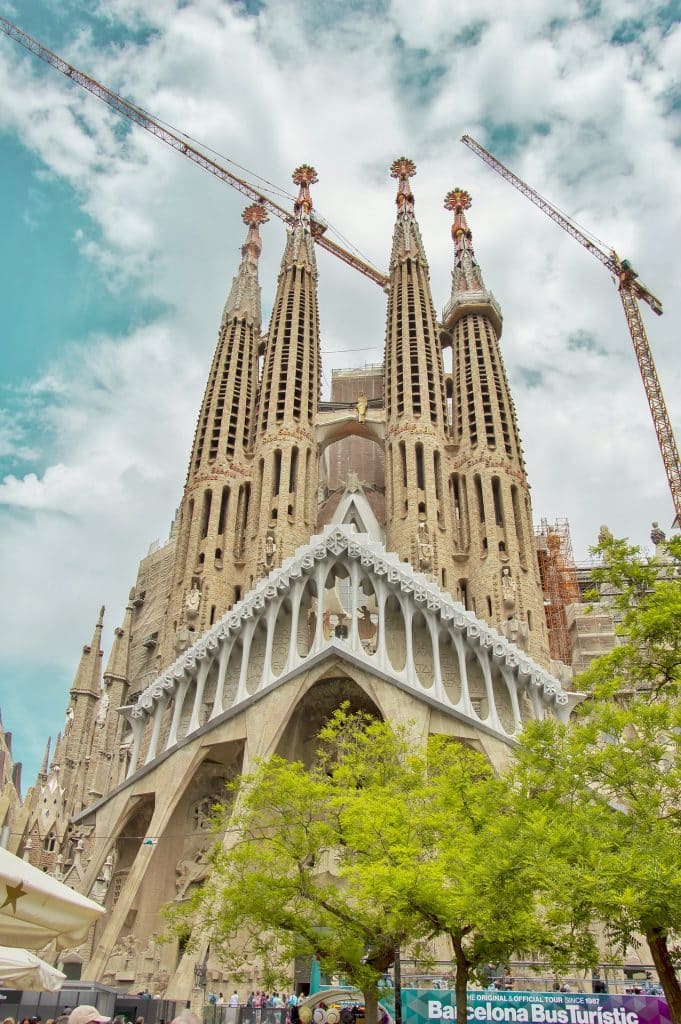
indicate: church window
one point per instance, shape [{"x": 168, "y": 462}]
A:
[
  {"x": 515, "y": 500},
  {"x": 224, "y": 505},
  {"x": 293, "y": 471},
  {"x": 212, "y": 614},
  {"x": 50, "y": 843},
  {"x": 463, "y": 592},
  {"x": 529, "y": 620},
  {"x": 498, "y": 503},
  {"x": 276, "y": 473},
  {"x": 478, "y": 494},
  {"x": 205, "y": 513},
  {"x": 489, "y": 606},
  {"x": 420, "y": 475}
]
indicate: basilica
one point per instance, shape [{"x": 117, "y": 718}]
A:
[{"x": 376, "y": 548}]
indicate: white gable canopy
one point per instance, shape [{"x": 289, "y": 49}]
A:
[{"x": 406, "y": 630}]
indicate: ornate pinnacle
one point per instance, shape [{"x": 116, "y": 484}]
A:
[
  {"x": 304, "y": 176},
  {"x": 459, "y": 200},
  {"x": 403, "y": 169},
  {"x": 253, "y": 216}
]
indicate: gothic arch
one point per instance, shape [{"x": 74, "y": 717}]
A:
[{"x": 297, "y": 741}]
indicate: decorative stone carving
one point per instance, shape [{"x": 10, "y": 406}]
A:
[
  {"x": 101, "y": 884},
  {"x": 387, "y": 575},
  {"x": 192, "y": 601},
  {"x": 190, "y": 872},
  {"x": 516, "y": 632},
  {"x": 509, "y": 590},
  {"x": 103, "y": 709}
]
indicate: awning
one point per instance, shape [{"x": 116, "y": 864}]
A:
[
  {"x": 35, "y": 908},
  {"x": 24, "y": 970}
]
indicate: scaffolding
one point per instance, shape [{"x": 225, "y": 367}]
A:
[{"x": 560, "y": 585}]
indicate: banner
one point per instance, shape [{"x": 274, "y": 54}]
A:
[{"x": 492, "y": 1007}]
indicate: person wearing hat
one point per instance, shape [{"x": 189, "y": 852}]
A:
[{"x": 85, "y": 1014}]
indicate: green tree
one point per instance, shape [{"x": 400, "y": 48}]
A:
[
  {"x": 286, "y": 884},
  {"x": 377, "y": 846},
  {"x": 466, "y": 869},
  {"x": 602, "y": 796}
]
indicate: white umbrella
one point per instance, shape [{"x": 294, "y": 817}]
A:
[
  {"x": 21, "y": 969},
  {"x": 35, "y": 908}
]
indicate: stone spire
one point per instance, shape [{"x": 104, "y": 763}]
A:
[
  {"x": 493, "y": 535},
  {"x": 208, "y": 571},
  {"x": 282, "y": 510},
  {"x": 407, "y": 242},
  {"x": 88, "y": 678},
  {"x": 45, "y": 766},
  {"x": 117, "y": 665},
  {"x": 244, "y": 297},
  {"x": 416, "y": 419}
]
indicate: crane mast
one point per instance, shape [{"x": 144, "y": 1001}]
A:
[
  {"x": 631, "y": 291},
  {"x": 176, "y": 142}
]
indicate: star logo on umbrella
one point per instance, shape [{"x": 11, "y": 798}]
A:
[{"x": 14, "y": 893}]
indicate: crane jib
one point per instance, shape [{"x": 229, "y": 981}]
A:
[{"x": 144, "y": 120}]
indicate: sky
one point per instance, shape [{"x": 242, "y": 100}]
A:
[{"x": 116, "y": 256}]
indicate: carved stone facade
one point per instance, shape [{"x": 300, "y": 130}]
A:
[{"x": 264, "y": 611}]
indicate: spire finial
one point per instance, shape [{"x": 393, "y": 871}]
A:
[
  {"x": 253, "y": 216},
  {"x": 459, "y": 201},
  {"x": 304, "y": 176},
  {"x": 403, "y": 169}
]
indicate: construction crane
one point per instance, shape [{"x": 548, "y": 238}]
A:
[
  {"x": 631, "y": 291},
  {"x": 140, "y": 117}
]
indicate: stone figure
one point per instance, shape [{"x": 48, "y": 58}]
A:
[
  {"x": 516, "y": 632},
  {"x": 104, "y": 702},
  {"x": 361, "y": 407},
  {"x": 424, "y": 548},
  {"x": 604, "y": 535},
  {"x": 189, "y": 871},
  {"x": 183, "y": 639},
  {"x": 509, "y": 589},
  {"x": 103, "y": 880},
  {"x": 69, "y": 719},
  {"x": 192, "y": 602},
  {"x": 270, "y": 551},
  {"x": 657, "y": 535}
]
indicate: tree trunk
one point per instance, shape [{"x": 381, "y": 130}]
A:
[
  {"x": 461, "y": 983},
  {"x": 370, "y": 1005},
  {"x": 657, "y": 943}
]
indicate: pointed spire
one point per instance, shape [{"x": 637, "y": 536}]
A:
[
  {"x": 467, "y": 280},
  {"x": 244, "y": 297},
  {"x": 88, "y": 675},
  {"x": 467, "y": 275},
  {"x": 299, "y": 249},
  {"x": 407, "y": 242},
  {"x": 117, "y": 666},
  {"x": 44, "y": 768}
]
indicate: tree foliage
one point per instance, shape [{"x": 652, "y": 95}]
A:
[
  {"x": 378, "y": 845},
  {"x": 609, "y": 784}
]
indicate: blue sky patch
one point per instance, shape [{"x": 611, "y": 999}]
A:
[{"x": 43, "y": 271}]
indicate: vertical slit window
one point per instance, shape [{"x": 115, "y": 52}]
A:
[
  {"x": 478, "y": 494},
  {"x": 205, "y": 513},
  {"x": 293, "y": 471},
  {"x": 420, "y": 475},
  {"x": 498, "y": 503},
  {"x": 276, "y": 473},
  {"x": 224, "y": 505}
]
